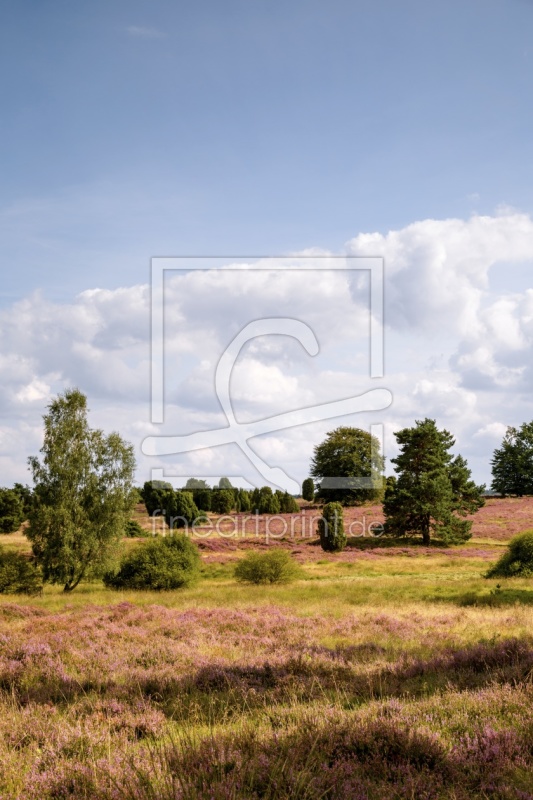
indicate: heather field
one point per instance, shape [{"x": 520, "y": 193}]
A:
[{"x": 390, "y": 670}]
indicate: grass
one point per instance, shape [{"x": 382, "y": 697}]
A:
[{"x": 383, "y": 671}]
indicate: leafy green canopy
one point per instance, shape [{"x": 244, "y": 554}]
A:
[
  {"x": 170, "y": 562},
  {"x": 83, "y": 494},
  {"x": 517, "y": 561},
  {"x": 512, "y": 463},
  {"x": 349, "y": 454},
  {"x": 433, "y": 491}
]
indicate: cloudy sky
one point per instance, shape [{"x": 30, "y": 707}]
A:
[{"x": 304, "y": 130}]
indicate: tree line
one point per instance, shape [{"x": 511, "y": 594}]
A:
[{"x": 83, "y": 495}]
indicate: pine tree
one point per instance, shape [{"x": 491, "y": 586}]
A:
[
  {"x": 433, "y": 492},
  {"x": 512, "y": 463}
]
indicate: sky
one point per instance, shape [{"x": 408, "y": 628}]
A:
[{"x": 303, "y": 130}]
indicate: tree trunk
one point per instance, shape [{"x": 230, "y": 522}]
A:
[{"x": 426, "y": 534}]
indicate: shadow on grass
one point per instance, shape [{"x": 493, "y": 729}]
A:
[
  {"x": 494, "y": 598},
  {"x": 375, "y": 542}
]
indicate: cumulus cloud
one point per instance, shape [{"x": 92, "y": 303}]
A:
[
  {"x": 438, "y": 270},
  {"x": 457, "y": 351}
]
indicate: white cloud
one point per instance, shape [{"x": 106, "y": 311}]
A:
[
  {"x": 438, "y": 270},
  {"x": 493, "y": 430},
  {"x": 456, "y": 351}
]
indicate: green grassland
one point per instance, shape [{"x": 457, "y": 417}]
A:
[{"x": 388, "y": 670}]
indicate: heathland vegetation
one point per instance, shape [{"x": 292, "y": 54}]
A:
[{"x": 266, "y": 646}]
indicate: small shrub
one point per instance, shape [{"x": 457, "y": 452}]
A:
[
  {"x": 18, "y": 575},
  {"x": 244, "y": 500},
  {"x": 202, "y": 498},
  {"x": 134, "y": 529},
  {"x": 222, "y": 500},
  {"x": 264, "y": 501},
  {"x": 517, "y": 562},
  {"x": 181, "y": 510},
  {"x": 11, "y": 511},
  {"x": 287, "y": 503},
  {"x": 276, "y": 566},
  {"x": 308, "y": 490},
  {"x": 170, "y": 562},
  {"x": 331, "y": 528}
]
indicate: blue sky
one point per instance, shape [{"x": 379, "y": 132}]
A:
[{"x": 135, "y": 129}]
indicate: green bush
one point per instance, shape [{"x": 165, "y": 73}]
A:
[
  {"x": 202, "y": 498},
  {"x": 11, "y": 511},
  {"x": 222, "y": 500},
  {"x": 18, "y": 575},
  {"x": 308, "y": 490},
  {"x": 134, "y": 529},
  {"x": 275, "y": 566},
  {"x": 287, "y": 503},
  {"x": 331, "y": 528},
  {"x": 243, "y": 500},
  {"x": 181, "y": 510},
  {"x": 170, "y": 562},
  {"x": 517, "y": 561}
]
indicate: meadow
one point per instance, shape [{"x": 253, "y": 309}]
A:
[{"x": 388, "y": 670}]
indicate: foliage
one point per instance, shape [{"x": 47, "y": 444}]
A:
[
  {"x": 243, "y": 500},
  {"x": 83, "y": 494},
  {"x": 222, "y": 501},
  {"x": 169, "y": 562},
  {"x": 433, "y": 492},
  {"x": 517, "y": 561},
  {"x": 202, "y": 498},
  {"x": 287, "y": 503},
  {"x": 348, "y": 454},
  {"x": 331, "y": 528},
  {"x": 134, "y": 529},
  {"x": 224, "y": 483},
  {"x": 18, "y": 574},
  {"x": 11, "y": 511},
  {"x": 181, "y": 510},
  {"x": 195, "y": 483},
  {"x": 264, "y": 501},
  {"x": 177, "y": 507},
  {"x": 26, "y": 496},
  {"x": 274, "y": 566},
  {"x": 512, "y": 463},
  {"x": 154, "y": 496},
  {"x": 308, "y": 490}
]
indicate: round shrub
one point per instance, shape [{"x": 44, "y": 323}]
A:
[
  {"x": 18, "y": 575},
  {"x": 275, "y": 566},
  {"x": 170, "y": 562},
  {"x": 134, "y": 529},
  {"x": 517, "y": 561},
  {"x": 331, "y": 528}
]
